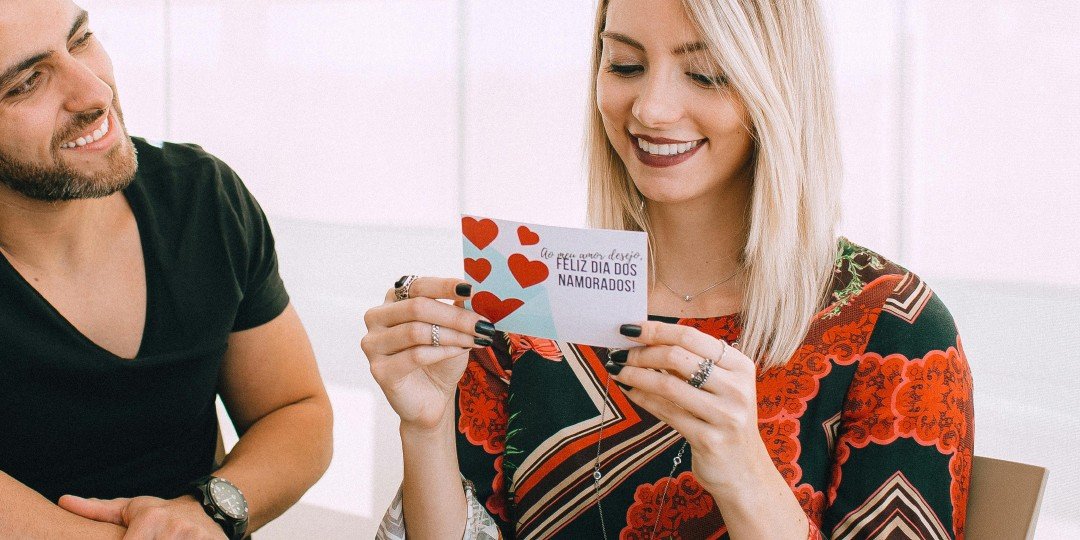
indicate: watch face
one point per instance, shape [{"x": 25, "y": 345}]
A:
[{"x": 228, "y": 499}]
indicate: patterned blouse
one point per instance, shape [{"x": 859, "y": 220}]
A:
[{"x": 870, "y": 423}]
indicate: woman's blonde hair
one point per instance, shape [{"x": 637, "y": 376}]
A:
[{"x": 773, "y": 53}]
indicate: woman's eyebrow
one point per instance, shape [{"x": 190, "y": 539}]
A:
[
  {"x": 623, "y": 38},
  {"x": 685, "y": 48}
]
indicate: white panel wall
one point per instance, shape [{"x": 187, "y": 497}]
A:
[
  {"x": 866, "y": 60},
  {"x": 994, "y": 134},
  {"x": 334, "y": 111},
  {"x": 527, "y": 73},
  {"x": 133, "y": 32},
  {"x": 346, "y": 118}
]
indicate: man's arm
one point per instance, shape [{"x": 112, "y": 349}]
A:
[
  {"x": 271, "y": 387},
  {"x": 24, "y": 513}
]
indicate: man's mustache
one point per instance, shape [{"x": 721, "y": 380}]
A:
[{"x": 79, "y": 123}]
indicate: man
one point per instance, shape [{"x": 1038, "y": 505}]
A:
[{"x": 136, "y": 283}]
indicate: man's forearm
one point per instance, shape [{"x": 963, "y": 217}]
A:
[
  {"x": 24, "y": 513},
  {"x": 280, "y": 456}
]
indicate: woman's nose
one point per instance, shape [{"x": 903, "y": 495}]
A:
[{"x": 659, "y": 103}]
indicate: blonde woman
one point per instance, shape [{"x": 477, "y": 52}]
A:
[{"x": 790, "y": 384}]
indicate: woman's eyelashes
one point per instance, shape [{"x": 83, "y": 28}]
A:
[
  {"x": 625, "y": 70},
  {"x": 700, "y": 79},
  {"x": 708, "y": 81}
]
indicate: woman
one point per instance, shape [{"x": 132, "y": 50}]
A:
[{"x": 791, "y": 384}]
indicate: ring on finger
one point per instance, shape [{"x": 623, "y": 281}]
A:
[
  {"x": 401, "y": 292},
  {"x": 435, "y": 336},
  {"x": 723, "y": 351},
  {"x": 697, "y": 380}
]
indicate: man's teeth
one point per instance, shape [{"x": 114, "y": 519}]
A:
[
  {"x": 93, "y": 137},
  {"x": 666, "y": 149}
]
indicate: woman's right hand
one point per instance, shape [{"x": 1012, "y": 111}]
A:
[{"x": 419, "y": 378}]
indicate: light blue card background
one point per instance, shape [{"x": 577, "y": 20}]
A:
[{"x": 577, "y": 315}]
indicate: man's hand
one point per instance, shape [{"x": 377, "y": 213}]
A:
[{"x": 149, "y": 518}]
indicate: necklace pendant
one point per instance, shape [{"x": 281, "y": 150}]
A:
[
  {"x": 687, "y": 298},
  {"x": 596, "y": 475}
]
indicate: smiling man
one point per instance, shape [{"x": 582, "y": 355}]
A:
[{"x": 137, "y": 283}]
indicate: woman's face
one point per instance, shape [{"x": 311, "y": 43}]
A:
[{"x": 676, "y": 125}]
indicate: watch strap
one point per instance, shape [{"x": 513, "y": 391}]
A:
[{"x": 235, "y": 529}]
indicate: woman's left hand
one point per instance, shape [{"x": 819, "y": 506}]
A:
[{"x": 719, "y": 419}]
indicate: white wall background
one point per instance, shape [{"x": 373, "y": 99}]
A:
[{"x": 365, "y": 126}]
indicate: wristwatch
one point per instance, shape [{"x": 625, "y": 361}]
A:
[{"x": 224, "y": 503}]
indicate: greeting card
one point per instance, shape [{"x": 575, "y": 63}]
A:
[{"x": 560, "y": 283}]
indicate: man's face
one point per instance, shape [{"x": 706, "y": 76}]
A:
[{"x": 62, "y": 135}]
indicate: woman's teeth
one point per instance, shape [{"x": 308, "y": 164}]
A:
[
  {"x": 87, "y": 139},
  {"x": 666, "y": 149}
]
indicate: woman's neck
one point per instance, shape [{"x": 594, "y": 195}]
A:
[{"x": 698, "y": 244}]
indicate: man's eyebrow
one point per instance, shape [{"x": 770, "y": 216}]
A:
[
  {"x": 13, "y": 71},
  {"x": 681, "y": 49},
  {"x": 10, "y": 73},
  {"x": 80, "y": 21}
]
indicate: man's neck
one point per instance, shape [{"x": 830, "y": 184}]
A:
[{"x": 56, "y": 237}]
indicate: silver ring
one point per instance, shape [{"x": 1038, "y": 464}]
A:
[
  {"x": 401, "y": 292},
  {"x": 435, "y": 336},
  {"x": 722, "y": 353},
  {"x": 704, "y": 369}
]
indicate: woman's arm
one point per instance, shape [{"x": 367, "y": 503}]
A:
[
  {"x": 418, "y": 349},
  {"x": 432, "y": 495},
  {"x": 906, "y": 435}
]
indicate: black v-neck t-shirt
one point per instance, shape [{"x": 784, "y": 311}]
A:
[{"x": 77, "y": 419}]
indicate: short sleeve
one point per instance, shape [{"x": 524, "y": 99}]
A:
[
  {"x": 263, "y": 295},
  {"x": 903, "y": 456}
]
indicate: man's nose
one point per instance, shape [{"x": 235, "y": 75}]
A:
[{"x": 83, "y": 89}]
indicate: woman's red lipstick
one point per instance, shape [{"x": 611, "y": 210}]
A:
[{"x": 653, "y": 160}]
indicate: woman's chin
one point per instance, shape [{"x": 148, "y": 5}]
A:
[{"x": 667, "y": 190}]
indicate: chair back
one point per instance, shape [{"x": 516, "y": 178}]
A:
[{"x": 1004, "y": 499}]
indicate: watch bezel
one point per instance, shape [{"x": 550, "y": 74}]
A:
[{"x": 214, "y": 480}]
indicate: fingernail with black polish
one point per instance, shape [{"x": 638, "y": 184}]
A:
[
  {"x": 613, "y": 368},
  {"x": 463, "y": 290},
  {"x": 619, "y": 356},
  {"x": 485, "y": 328},
  {"x": 482, "y": 341},
  {"x": 400, "y": 282},
  {"x": 625, "y": 387},
  {"x": 630, "y": 330}
]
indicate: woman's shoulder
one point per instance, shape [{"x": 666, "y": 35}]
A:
[{"x": 909, "y": 317}]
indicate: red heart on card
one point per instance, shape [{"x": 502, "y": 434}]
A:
[
  {"x": 477, "y": 268},
  {"x": 527, "y": 237},
  {"x": 526, "y": 272},
  {"x": 494, "y": 308},
  {"x": 480, "y": 232}
]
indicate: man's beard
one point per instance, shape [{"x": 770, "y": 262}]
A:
[{"x": 60, "y": 182}]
